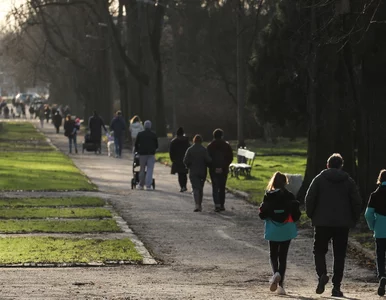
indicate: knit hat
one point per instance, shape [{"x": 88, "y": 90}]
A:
[
  {"x": 180, "y": 131},
  {"x": 147, "y": 124}
]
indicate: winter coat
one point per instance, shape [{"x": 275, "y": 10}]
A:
[
  {"x": 69, "y": 128},
  {"x": 118, "y": 125},
  {"x": 146, "y": 142},
  {"x": 197, "y": 160},
  {"x": 280, "y": 211},
  {"x": 57, "y": 119},
  {"x": 95, "y": 124},
  {"x": 222, "y": 155},
  {"x": 136, "y": 128},
  {"x": 376, "y": 212},
  {"x": 177, "y": 150},
  {"x": 333, "y": 200}
]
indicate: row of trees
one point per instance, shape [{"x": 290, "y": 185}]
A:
[{"x": 283, "y": 67}]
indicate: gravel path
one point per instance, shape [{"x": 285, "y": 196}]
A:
[{"x": 204, "y": 255}]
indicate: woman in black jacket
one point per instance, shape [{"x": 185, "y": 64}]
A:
[{"x": 178, "y": 147}]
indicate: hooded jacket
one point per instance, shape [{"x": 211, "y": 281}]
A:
[
  {"x": 280, "y": 211},
  {"x": 333, "y": 200},
  {"x": 135, "y": 128},
  {"x": 376, "y": 212}
]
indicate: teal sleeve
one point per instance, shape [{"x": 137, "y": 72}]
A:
[{"x": 370, "y": 217}]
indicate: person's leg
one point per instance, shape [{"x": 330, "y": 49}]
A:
[
  {"x": 283, "y": 253},
  {"x": 69, "y": 144},
  {"x": 339, "y": 246},
  {"x": 184, "y": 180},
  {"x": 222, "y": 185},
  {"x": 120, "y": 142},
  {"x": 142, "y": 168},
  {"x": 322, "y": 236},
  {"x": 215, "y": 190},
  {"x": 149, "y": 170},
  {"x": 116, "y": 144},
  {"x": 274, "y": 256},
  {"x": 75, "y": 145},
  {"x": 380, "y": 246}
]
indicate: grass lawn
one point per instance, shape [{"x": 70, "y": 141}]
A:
[
  {"x": 285, "y": 156},
  {"x": 58, "y": 226},
  {"x": 64, "y": 250},
  {"x": 42, "y": 213},
  {"x": 52, "y": 202}
]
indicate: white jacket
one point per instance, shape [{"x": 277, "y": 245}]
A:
[{"x": 135, "y": 128}]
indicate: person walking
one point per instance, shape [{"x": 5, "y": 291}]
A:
[
  {"x": 222, "y": 155},
  {"x": 135, "y": 128},
  {"x": 280, "y": 211},
  {"x": 376, "y": 220},
  {"x": 70, "y": 131},
  {"x": 118, "y": 125},
  {"x": 146, "y": 145},
  {"x": 334, "y": 205},
  {"x": 196, "y": 160},
  {"x": 177, "y": 150},
  {"x": 57, "y": 120},
  {"x": 95, "y": 124},
  {"x": 41, "y": 116}
]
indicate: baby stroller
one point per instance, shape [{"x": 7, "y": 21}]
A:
[
  {"x": 90, "y": 145},
  {"x": 135, "y": 179}
]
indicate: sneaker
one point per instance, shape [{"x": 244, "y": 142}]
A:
[
  {"x": 139, "y": 187},
  {"x": 274, "y": 281},
  {"x": 149, "y": 188},
  {"x": 222, "y": 208},
  {"x": 281, "y": 290},
  {"x": 184, "y": 189},
  {"x": 381, "y": 287},
  {"x": 217, "y": 209},
  {"x": 197, "y": 209},
  {"x": 336, "y": 292},
  {"x": 322, "y": 284}
]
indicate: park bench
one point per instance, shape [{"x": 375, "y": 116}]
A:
[{"x": 245, "y": 159}]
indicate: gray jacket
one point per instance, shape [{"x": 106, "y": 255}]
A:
[
  {"x": 196, "y": 160},
  {"x": 333, "y": 200}
]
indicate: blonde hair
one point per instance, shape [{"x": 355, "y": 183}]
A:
[
  {"x": 135, "y": 119},
  {"x": 277, "y": 181},
  {"x": 381, "y": 176}
]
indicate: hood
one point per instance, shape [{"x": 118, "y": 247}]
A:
[
  {"x": 273, "y": 194},
  {"x": 334, "y": 175}
]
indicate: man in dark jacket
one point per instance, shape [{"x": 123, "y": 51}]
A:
[
  {"x": 222, "y": 155},
  {"x": 178, "y": 147},
  {"x": 334, "y": 205},
  {"x": 95, "y": 124},
  {"x": 118, "y": 125},
  {"x": 146, "y": 145}
]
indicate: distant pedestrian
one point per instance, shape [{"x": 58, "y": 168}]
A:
[
  {"x": 334, "y": 205},
  {"x": 177, "y": 150},
  {"x": 31, "y": 112},
  {"x": 135, "y": 127},
  {"x": 70, "y": 131},
  {"x": 41, "y": 116},
  {"x": 222, "y": 155},
  {"x": 95, "y": 125},
  {"x": 376, "y": 219},
  {"x": 280, "y": 211},
  {"x": 197, "y": 160},
  {"x": 47, "y": 112},
  {"x": 57, "y": 120},
  {"x": 118, "y": 125},
  {"x": 146, "y": 145}
]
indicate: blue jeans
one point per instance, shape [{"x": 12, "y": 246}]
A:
[
  {"x": 118, "y": 141},
  {"x": 380, "y": 247},
  {"x": 72, "y": 139},
  {"x": 146, "y": 163}
]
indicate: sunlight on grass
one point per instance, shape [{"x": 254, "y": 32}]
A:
[
  {"x": 64, "y": 250},
  {"x": 70, "y": 226},
  {"x": 42, "y": 213},
  {"x": 49, "y": 202}
]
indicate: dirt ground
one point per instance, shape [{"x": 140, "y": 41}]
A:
[{"x": 204, "y": 255}]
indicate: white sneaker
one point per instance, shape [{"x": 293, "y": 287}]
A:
[
  {"x": 281, "y": 290},
  {"x": 139, "y": 187},
  {"x": 149, "y": 188},
  {"x": 274, "y": 281}
]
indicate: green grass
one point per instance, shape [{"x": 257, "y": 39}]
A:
[
  {"x": 34, "y": 171},
  {"x": 52, "y": 202},
  {"x": 58, "y": 226},
  {"x": 63, "y": 250},
  {"x": 42, "y": 213}
]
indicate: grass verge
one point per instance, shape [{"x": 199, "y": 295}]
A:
[
  {"x": 58, "y": 226},
  {"x": 42, "y": 213},
  {"x": 52, "y": 202},
  {"x": 63, "y": 250}
]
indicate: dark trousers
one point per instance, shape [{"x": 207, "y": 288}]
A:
[
  {"x": 218, "y": 188},
  {"x": 278, "y": 256},
  {"x": 57, "y": 129},
  {"x": 118, "y": 141},
  {"x": 182, "y": 179},
  {"x": 380, "y": 246},
  {"x": 322, "y": 237}
]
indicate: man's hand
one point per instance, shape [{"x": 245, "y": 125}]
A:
[{"x": 218, "y": 170}]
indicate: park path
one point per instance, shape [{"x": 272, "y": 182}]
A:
[{"x": 204, "y": 255}]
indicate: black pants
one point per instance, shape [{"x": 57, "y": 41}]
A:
[
  {"x": 322, "y": 237},
  {"x": 278, "y": 256},
  {"x": 182, "y": 179},
  {"x": 57, "y": 129},
  {"x": 380, "y": 245},
  {"x": 218, "y": 188}
]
